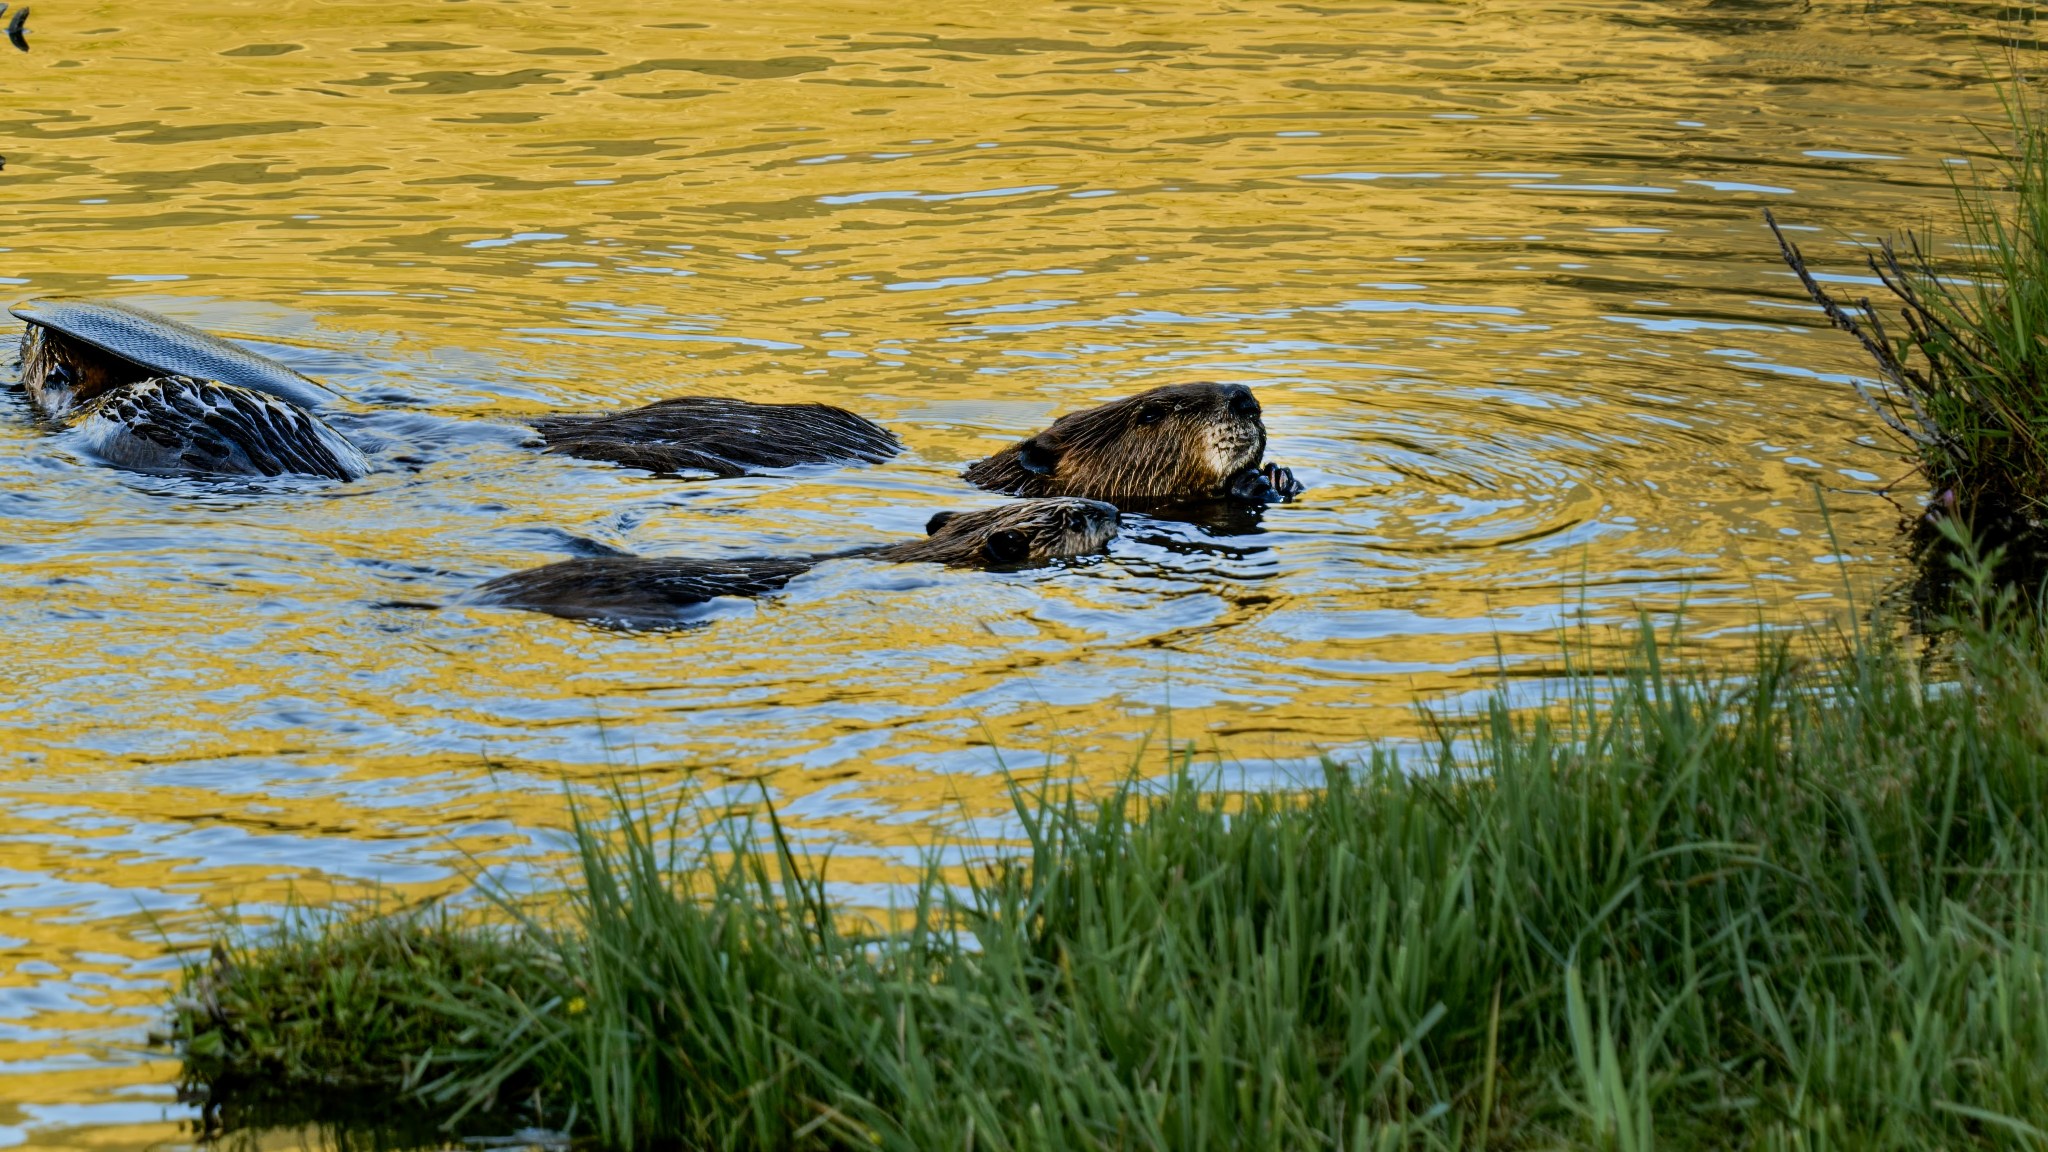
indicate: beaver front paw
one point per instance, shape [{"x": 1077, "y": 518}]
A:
[
  {"x": 1270, "y": 484},
  {"x": 1283, "y": 481}
]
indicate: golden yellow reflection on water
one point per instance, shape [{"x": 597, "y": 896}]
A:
[{"x": 1496, "y": 268}]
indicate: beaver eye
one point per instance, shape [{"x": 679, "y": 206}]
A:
[{"x": 1151, "y": 413}]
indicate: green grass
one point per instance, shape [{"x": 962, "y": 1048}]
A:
[
  {"x": 327, "y": 1017},
  {"x": 1967, "y": 355},
  {"x": 1803, "y": 905}
]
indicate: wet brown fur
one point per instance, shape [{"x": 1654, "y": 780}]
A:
[
  {"x": 723, "y": 436},
  {"x": 61, "y": 374},
  {"x": 1020, "y": 533},
  {"x": 1179, "y": 442},
  {"x": 643, "y": 590},
  {"x": 635, "y": 589}
]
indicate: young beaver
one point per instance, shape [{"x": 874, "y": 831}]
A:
[
  {"x": 719, "y": 435},
  {"x": 647, "y": 591},
  {"x": 1179, "y": 442}
]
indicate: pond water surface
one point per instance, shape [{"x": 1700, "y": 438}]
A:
[{"x": 1497, "y": 270}]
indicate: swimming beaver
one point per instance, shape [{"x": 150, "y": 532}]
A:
[
  {"x": 722, "y": 436},
  {"x": 647, "y": 591},
  {"x": 1179, "y": 442},
  {"x": 142, "y": 391}
]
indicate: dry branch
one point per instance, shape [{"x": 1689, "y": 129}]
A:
[{"x": 1905, "y": 381}]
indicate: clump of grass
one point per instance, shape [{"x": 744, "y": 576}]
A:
[
  {"x": 1805, "y": 906},
  {"x": 334, "y": 1011},
  {"x": 1968, "y": 364}
]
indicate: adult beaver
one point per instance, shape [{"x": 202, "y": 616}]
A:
[
  {"x": 722, "y": 436},
  {"x": 646, "y": 591},
  {"x": 144, "y": 392},
  {"x": 1182, "y": 442}
]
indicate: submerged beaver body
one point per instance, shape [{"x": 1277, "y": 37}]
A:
[
  {"x": 144, "y": 392},
  {"x": 722, "y": 436},
  {"x": 1182, "y": 442},
  {"x": 652, "y": 591},
  {"x": 175, "y": 424}
]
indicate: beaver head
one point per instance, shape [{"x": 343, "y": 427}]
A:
[
  {"x": 1180, "y": 442},
  {"x": 1012, "y": 535}
]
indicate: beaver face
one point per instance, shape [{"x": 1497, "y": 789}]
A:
[
  {"x": 1013, "y": 535},
  {"x": 1180, "y": 442}
]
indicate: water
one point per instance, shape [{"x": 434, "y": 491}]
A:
[{"x": 1496, "y": 268}]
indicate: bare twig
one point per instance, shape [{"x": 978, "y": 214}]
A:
[
  {"x": 1891, "y": 421},
  {"x": 1905, "y": 291},
  {"x": 1887, "y": 363},
  {"x": 1932, "y": 431}
]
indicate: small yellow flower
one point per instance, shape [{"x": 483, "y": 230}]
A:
[{"x": 576, "y": 1006}]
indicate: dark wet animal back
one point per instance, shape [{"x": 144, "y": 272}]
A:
[
  {"x": 722, "y": 436},
  {"x": 650, "y": 591},
  {"x": 636, "y": 589},
  {"x": 1181, "y": 442},
  {"x": 144, "y": 392},
  {"x": 177, "y": 424}
]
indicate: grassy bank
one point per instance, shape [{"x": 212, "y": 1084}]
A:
[
  {"x": 1805, "y": 906},
  {"x": 1960, "y": 335}
]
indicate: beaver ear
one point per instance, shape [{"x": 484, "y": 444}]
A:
[
  {"x": 938, "y": 521},
  {"x": 1037, "y": 457},
  {"x": 1008, "y": 547}
]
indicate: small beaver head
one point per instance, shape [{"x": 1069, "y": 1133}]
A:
[
  {"x": 1180, "y": 442},
  {"x": 1012, "y": 535}
]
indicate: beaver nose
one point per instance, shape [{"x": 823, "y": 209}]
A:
[{"x": 1242, "y": 401}]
